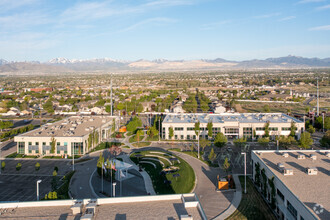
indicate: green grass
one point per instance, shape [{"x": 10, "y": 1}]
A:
[
  {"x": 252, "y": 205},
  {"x": 63, "y": 191},
  {"x": 15, "y": 155},
  {"x": 182, "y": 184},
  {"x": 195, "y": 154},
  {"x": 125, "y": 146},
  {"x": 154, "y": 138},
  {"x": 134, "y": 139},
  {"x": 102, "y": 146},
  {"x": 141, "y": 144},
  {"x": 129, "y": 133}
]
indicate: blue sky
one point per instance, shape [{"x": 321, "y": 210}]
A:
[{"x": 170, "y": 29}]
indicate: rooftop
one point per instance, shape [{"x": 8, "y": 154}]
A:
[
  {"x": 141, "y": 207},
  {"x": 230, "y": 117},
  {"x": 75, "y": 126},
  {"x": 310, "y": 189}
]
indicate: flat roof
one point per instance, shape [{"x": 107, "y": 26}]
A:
[
  {"x": 230, "y": 117},
  {"x": 75, "y": 126},
  {"x": 310, "y": 189},
  {"x": 121, "y": 208}
]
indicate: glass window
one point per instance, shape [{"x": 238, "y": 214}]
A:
[
  {"x": 286, "y": 129},
  {"x": 21, "y": 147},
  {"x": 291, "y": 209},
  {"x": 30, "y": 143},
  {"x": 176, "y": 137},
  {"x": 37, "y": 151},
  {"x": 260, "y": 128},
  {"x": 188, "y": 137},
  {"x": 178, "y": 129},
  {"x": 273, "y": 129},
  {"x": 43, "y": 143},
  {"x": 58, "y": 144},
  {"x": 279, "y": 193},
  {"x": 231, "y": 130},
  {"x": 182, "y": 137},
  {"x": 65, "y": 143},
  {"x": 190, "y": 129}
]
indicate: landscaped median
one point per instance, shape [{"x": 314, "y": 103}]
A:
[
  {"x": 169, "y": 173},
  {"x": 252, "y": 205},
  {"x": 195, "y": 154}
]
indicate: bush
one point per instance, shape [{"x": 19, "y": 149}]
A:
[
  {"x": 56, "y": 168},
  {"x": 220, "y": 140},
  {"x": 18, "y": 166},
  {"x": 3, "y": 165},
  {"x": 37, "y": 166}
]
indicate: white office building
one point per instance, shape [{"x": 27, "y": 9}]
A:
[
  {"x": 75, "y": 132},
  {"x": 233, "y": 125},
  {"x": 301, "y": 182}
]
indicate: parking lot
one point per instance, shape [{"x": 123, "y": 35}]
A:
[{"x": 22, "y": 185}]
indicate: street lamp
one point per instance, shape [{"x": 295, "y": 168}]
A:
[
  {"x": 39, "y": 181},
  {"x": 244, "y": 170},
  {"x": 0, "y": 158}
]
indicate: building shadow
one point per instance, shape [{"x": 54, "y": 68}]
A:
[
  {"x": 63, "y": 216},
  {"x": 270, "y": 164},
  {"x": 318, "y": 210},
  {"x": 180, "y": 209},
  {"x": 325, "y": 171},
  {"x": 297, "y": 166}
]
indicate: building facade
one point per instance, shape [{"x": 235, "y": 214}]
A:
[
  {"x": 74, "y": 135},
  {"x": 300, "y": 180},
  {"x": 233, "y": 125}
]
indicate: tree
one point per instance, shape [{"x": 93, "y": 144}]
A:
[
  {"x": 120, "y": 106},
  {"x": 266, "y": 108},
  {"x": 3, "y": 165},
  {"x": 305, "y": 140},
  {"x": 197, "y": 128},
  {"x": 139, "y": 133},
  {"x": 212, "y": 155},
  {"x": 100, "y": 163},
  {"x": 203, "y": 143},
  {"x": 210, "y": 129},
  {"x": 220, "y": 140},
  {"x": 240, "y": 142},
  {"x": 263, "y": 141},
  {"x": 266, "y": 129},
  {"x": 37, "y": 166},
  {"x": 152, "y": 131},
  {"x": 226, "y": 165},
  {"x": 311, "y": 129},
  {"x": 293, "y": 129},
  {"x": 170, "y": 132},
  {"x": 325, "y": 140},
  {"x": 286, "y": 141},
  {"x": 53, "y": 145},
  {"x": 5, "y": 124},
  {"x": 48, "y": 106},
  {"x": 134, "y": 124}
]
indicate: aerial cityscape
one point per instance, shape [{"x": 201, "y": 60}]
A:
[{"x": 165, "y": 109}]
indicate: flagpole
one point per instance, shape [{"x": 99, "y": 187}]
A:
[
  {"x": 120, "y": 182},
  {"x": 102, "y": 177},
  {"x": 111, "y": 178}
]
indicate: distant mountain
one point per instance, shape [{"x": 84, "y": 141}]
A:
[{"x": 63, "y": 65}]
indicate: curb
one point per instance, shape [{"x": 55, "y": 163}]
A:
[{"x": 91, "y": 186}]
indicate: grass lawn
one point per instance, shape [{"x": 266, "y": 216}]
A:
[
  {"x": 252, "y": 205},
  {"x": 181, "y": 184},
  {"x": 134, "y": 138},
  {"x": 125, "y": 146},
  {"x": 141, "y": 144},
  {"x": 195, "y": 154},
  {"x": 102, "y": 146},
  {"x": 16, "y": 155},
  {"x": 154, "y": 138},
  {"x": 274, "y": 107}
]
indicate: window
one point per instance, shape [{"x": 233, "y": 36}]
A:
[
  {"x": 65, "y": 143},
  {"x": 291, "y": 209},
  {"x": 178, "y": 129},
  {"x": 190, "y": 129},
  {"x": 176, "y": 137},
  {"x": 30, "y": 143},
  {"x": 247, "y": 131},
  {"x": 182, "y": 137},
  {"x": 194, "y": 137},
  {"x": 43, "y": 143},
  {"x": 21, "y": 147},
  {"x": 30, "y": 151},
  {"x": 37, "y": 143},
  {"x": 37, "y": 151},
  {"x": 273, "y": 129},
  {"x": 231, "y": 130},
  {"x": 286, "y": 129},
  {"x": 188, "y": 137},
  {"x": 216, "y": 130},
  {"x": 279, "y": 193},
  {"x": 77, "y": 147},
  {"x": 260, "y": 129}
]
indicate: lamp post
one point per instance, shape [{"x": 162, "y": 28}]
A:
[
  {"x": 114, "y": 189},
  {"x": 0, "y": 158},
  {"x": 73, "y": 159},
  {"x": 159, "y": 129},
  {"x": 39, "y": 181},
  {"x": 244, "y": 171}
]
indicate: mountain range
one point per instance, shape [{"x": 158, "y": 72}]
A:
[{"x": 63, "y": 65}]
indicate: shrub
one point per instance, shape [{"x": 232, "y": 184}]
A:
[
  {"x": 56, "y": 168},
  {"x": 3, "y": 165},
  {"x": 37, "y": 166},
  {"x": 220, "y": 140},
  {"x": 18, "y": 166}
]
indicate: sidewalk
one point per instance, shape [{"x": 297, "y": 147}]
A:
[
  {"x": 235, "y": 202},
  {"x": 147, "y": 181}
]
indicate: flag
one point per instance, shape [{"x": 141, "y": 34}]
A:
[
  {"x": 122, "y": 174},
  {"x": 113, "y": 166}
]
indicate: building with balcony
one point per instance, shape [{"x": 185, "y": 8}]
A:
[
  {"x": 300, "y": 178},
  {"x": 77, "y": 133},
  {"x": 233, "y": 125}
]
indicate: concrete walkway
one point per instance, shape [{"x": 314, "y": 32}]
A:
[
  {"x": 235, "y": 202},
  {"x": 147, "y": 181},
  {"x": 213, "y": 202}
]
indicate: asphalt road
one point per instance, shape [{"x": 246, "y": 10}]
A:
[{"x": 8, "y": 147}]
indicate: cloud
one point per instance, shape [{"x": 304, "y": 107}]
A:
[
  {"x": 153, "y": 21},
  {"x": 287, "y": 18},
  {"x": 214, "y": 25},
  {"x": 267, "y": 15},
  {"x": 6, "y": 5},
  {"x": 309, "y": 1},
  {"x": 320, "y": 28},
  {"x": 325, "y": 7}
]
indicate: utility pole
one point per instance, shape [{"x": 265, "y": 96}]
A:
[
  {"x": 317, "y": 93},
  {"x": 111, "y": 103}
]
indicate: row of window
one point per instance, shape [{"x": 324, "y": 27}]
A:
[
  {"x": 77, "y": 147},
  {"x": 44, "y": 144}
]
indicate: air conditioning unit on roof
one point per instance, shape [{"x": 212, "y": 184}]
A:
[{"x": 288, "y": 171}]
